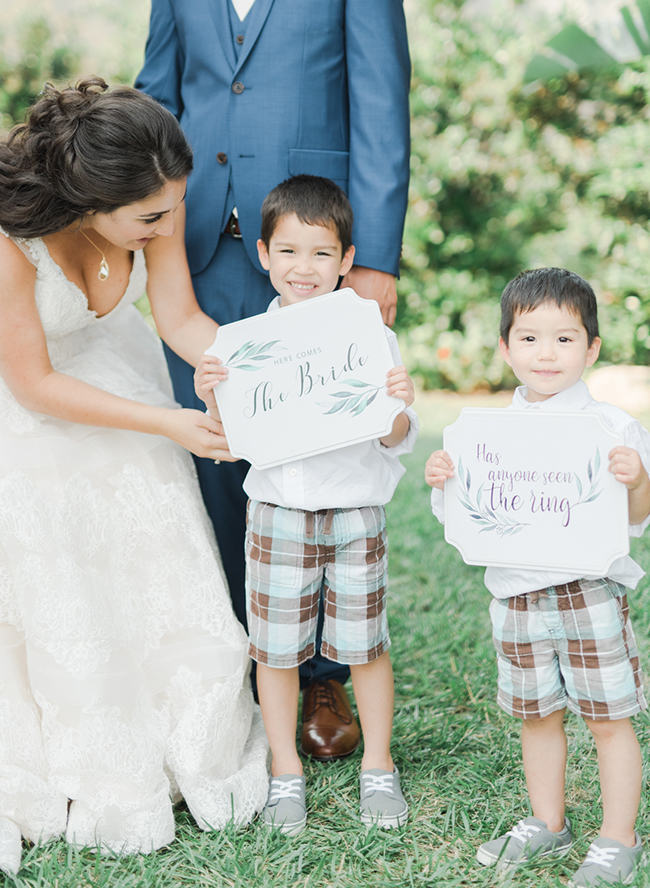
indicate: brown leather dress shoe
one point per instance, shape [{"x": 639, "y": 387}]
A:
[{"x": 329, "y": 729}]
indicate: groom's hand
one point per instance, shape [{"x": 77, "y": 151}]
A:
[{"x": 378, "y": 285}]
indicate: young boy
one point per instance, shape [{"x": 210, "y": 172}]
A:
[
  {"x": 563, "y": 640},
  {"x": 320, "y": 523}
]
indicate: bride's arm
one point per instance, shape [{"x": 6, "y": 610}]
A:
[
  {"x": 179, "y": 320},
  {"x": 25, "y": 366}
]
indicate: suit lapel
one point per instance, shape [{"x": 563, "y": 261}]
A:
[
  {"x": 220, "y": 16},
  {"x": 257, "y": 17}
]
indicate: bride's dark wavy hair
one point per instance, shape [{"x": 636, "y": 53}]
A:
[{"x": 84, "y": 150}]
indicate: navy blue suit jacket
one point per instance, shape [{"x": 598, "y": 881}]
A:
[{"x": 320, "y": 87}]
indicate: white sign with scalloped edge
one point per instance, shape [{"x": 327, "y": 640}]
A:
[
  {"x": 532, "y": 490},
  {"x": 305, "y": 379}
]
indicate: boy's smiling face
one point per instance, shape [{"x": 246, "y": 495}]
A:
[
  {"x": 303, "y": 260},
  {"x": 548, "y": 350}
]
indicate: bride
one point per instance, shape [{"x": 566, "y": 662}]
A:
[{"x": 123, "y": 671}]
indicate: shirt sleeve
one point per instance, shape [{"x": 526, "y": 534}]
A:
[
  {"x": 438, "y": 504},
  {"x": 638, "y": 439},
  {"x": 407, "y": 445}
]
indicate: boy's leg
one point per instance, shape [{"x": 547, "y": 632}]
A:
[
  {"x": 531, "y": 689},
  {"x": 543, "y": 747},
  {"x": 285, "y": 808},
  {"x": 619, "y": 764},
  {"x": 356, "y": 631},
  {"x": 283, "y": 580},
  {"x": 381, "y": 800},
  {"x": 374, "y": 692},
  {"x": 607, "y": 686},
  {"x": 278, "y": 691},
  {"x": 546, "y": 833},
  {"x": 614, "y": 856}
]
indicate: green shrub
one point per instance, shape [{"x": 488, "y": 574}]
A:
[
  {"x": 38, "y": 60},
  {"x": 504, "y": 179},
  {"x": 479, "y": 192}
]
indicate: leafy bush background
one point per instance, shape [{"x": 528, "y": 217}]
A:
[{"x": 502, "y": 178}]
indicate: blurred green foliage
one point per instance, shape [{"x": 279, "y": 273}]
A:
[
  {"x": 503, "y": 179},
  {"x": 23, "y": 72}
]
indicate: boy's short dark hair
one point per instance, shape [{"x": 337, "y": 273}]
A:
[
  {"x": 533, "y": 288},
  {"x": 315, "y": 201}
]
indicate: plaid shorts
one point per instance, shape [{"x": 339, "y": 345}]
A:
[
  {"x": 569, "y": 645},
  {"x": 291, "y": 555}
]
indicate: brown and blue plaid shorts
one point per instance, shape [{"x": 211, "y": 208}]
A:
[
  {"x": 290, "y": 555},
  {"x": 569, "y": 645}
]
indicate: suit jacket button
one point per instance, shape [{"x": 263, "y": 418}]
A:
[
  {"x": 238, "y": 87},
  {"x": 222, "y": 158},
  {"x": 239, "y": 38}
]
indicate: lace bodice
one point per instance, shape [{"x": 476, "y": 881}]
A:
[
  {"x": 115, "y": 352},
  {"x": 62, "y": 306}
]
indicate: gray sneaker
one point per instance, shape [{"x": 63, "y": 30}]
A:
[
  {"x": 528, "y": 841},
  {"x": 609, "y": 862},
  {"x": 285, "y": 807},
  {"x": 382, "y": 802}
]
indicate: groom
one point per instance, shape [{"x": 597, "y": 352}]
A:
[{"x": 267, "y": 89}]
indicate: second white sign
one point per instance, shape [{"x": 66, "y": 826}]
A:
[{"x": 532, "y": 490}]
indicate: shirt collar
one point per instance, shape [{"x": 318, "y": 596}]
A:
[
  {"x": 575, "y": 398},
  {"x": 275, "y": 303}
]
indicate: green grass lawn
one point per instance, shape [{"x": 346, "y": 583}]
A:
[{"x": 459, "y": 756}]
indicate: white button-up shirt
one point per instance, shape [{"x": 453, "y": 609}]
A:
[
  {"x": 505, "y": 582},
  {"x": 364, "y": 474},
  {"x": 242, "y": 8}
]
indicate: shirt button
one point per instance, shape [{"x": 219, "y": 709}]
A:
[
  {"x": 222, "y": 158},
  {"x": 239, "y": 38},
  {"x": 293, "y": 472},
  {"x": 238, "y": 87}
]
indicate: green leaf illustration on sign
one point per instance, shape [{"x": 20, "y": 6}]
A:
[
  {"x": 487, "y": 519},
  {"x": 253, "y": 351},
  {"x": 351, "y": 402},
  {"x": 592, "y": 473}
]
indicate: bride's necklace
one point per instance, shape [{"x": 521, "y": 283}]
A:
[{"x": 104, "y": 270}]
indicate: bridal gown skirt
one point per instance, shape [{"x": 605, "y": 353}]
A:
[{"x": 123, "y": 671}]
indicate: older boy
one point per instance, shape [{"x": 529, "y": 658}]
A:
[
  {"x": 320, "y": 522},
  {"x": 562, "y": 640}
]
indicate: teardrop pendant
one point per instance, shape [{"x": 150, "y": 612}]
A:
[{"x": 103, "y": 270}]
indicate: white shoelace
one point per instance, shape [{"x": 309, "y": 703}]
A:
[
  {"x": 601, "y": 856},
  {"x": 378, "y": 782},
  {"x": 285, "y": 789},
  {"x": 523, "y": 831}
]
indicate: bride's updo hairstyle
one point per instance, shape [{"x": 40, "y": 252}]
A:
[{"x": 85, "y": 150}]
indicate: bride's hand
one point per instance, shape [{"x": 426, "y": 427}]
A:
[{"x": 198, "y": 433}]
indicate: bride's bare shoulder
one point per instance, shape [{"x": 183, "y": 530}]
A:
[{"x": 17, "y": 272}]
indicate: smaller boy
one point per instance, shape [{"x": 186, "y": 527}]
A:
[
  {"x": 563, "y": 640},
  {"x": 319, "y": 524}
]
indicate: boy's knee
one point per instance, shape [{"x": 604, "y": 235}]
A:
[{"x": 606, "y": 729}]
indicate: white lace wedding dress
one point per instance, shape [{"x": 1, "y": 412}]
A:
[{"x": 122, "y": 666}]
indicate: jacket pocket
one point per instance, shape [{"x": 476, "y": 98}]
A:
[{"x": 330, "y": 164}]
